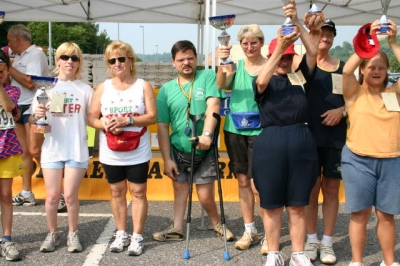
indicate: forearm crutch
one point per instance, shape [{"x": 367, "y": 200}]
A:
[
  {"x": 194, "y": 119},
  {"x": 221, "y": 201}
]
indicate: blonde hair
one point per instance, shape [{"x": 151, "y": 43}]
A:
[
  {"x": 250, "y": 31},
  {"x": 69, "y": 48},
  {"x": 121, "y": 47}
]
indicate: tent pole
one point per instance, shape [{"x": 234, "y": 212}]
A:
[
  {"x": 207, "y": 35},
  {"x": 214, "y": 13},
  {"x": 50, "y": 46}
]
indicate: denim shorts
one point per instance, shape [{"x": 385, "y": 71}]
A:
[
  {"x": 62, "y": 164},
  {"x": 24, "y": 118},
  {"x": 370, "y": 182}
]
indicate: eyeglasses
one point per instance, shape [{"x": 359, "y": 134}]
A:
[
  {"x": 252, "y": 44},
  {"x": 181, "y": 61},
  {"x": 74, "y": 58},
  {"x": 120, "y": 59}
]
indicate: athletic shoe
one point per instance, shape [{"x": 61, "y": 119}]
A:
[
  {"x": 264, "y": 247},
  {"x": 51, "y": 242},
  {"x": 19, "y": 200},
  {"x": 274, "y": 259},
  {"x": 62, "y": 207},
  {"x": 311, "y": 249},
  {"x": 327, "y": 256},
  {"x": 356, "y": 264},
  {"x": 121, "y": 240},
  {"x": 393, "y": 264},
  {"x": 73, "y": 243},
  {"x": 169, "y": 234},
  {"x": 247, "y": 240},
  {"x": 300, "y": 259},
  {"x": 9, "y": 251},
  {"x": 136, "y": 246},
  {"x": 220, "y": 232}
]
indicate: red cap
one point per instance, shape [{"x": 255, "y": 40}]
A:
[
  {"x": 272, "y": 46},
  {"x": 366, "y": 44}
]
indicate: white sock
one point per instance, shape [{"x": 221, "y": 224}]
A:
[
  {"x": 327, "y": 239},
  {"x": 135, "y": 235},
  {"x": 297, "y": 253},
  {"x": 251, "y": 228},
  {"x": 312, "y": 237},
  {"x": 26, "y": 193}
]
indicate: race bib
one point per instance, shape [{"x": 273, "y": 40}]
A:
[
  {"x": 6, "y": 119},
  {"x": 337, "y": 84}
]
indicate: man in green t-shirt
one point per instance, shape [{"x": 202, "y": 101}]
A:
[{"x": 193, "y": 92}]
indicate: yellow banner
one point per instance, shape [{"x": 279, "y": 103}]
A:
[{"x": 159, "y": 187}]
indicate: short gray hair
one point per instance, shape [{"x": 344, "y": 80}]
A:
[
  {"x": 21, "y": 31},
  {"x": 250, "y": 31}
]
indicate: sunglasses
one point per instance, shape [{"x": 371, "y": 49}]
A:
[
  {"x": 74, "y": 58},
  {"x": 120, "y": 59}
]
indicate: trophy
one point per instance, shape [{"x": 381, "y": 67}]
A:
[
  {"x": 314, "y": 10},
  {"x": 384, "y": 21},
  {"x": 2, "y": 15},
  {"x": 288, "y": 26},
  {"x": 44, "y": 84},
  {"x": 223, "y": 23}
]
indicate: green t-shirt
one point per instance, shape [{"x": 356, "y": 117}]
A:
[
  {"x": 172, "y": 104},
  {"x": 242, "y": 100}
]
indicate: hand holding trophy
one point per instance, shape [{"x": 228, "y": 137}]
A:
[
  {"x": 223, "y": 23},
  {"x": 288, "y": 27},
  {"x": 2, "y": 15},
  {"x": 384, "y": 21},
  {"x": 314, "y": 10},
  {"x": 43, "y": 84}
]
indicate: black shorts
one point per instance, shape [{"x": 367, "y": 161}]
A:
[
  {"x": 136, "y": 174},
  {"x": 285, "y": 165},
  {"x": 329, "y": 161},
  {"x": 24, "y": 118},
  {"x": 240, "y": 152}
]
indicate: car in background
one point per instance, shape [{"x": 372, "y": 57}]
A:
[{"x": 393, "y": 77}]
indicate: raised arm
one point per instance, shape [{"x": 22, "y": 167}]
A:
[
  {"x": 396, "y": 50},
  {"x": 349, "y": 83},
  {"x": 224, "y": 78}
]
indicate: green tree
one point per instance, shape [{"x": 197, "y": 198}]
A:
[
  {"x": 342, "y": 52},
  {"x": 394, "y": 65}
]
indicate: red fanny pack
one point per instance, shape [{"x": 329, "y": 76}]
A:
[{"x": 126, "y": 141}]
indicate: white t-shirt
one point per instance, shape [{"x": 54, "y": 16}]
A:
[
  {"x": 129, "y": 102},
  {"x": 68, "y": 137},
  {"x": 32, "y": 62}
]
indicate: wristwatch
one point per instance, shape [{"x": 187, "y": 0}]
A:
[
  {"x": 130, "y": 123},
  {"x": 344, "y": 113},
  {"x": 208, "y": 134}
]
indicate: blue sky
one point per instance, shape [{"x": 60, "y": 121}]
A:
[{"x": 163, "y": 36}]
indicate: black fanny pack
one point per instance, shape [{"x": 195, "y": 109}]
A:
[{"x": 184, "y": 159}]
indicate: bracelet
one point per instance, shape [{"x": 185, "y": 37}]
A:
[{"x": 34, "y": 118}]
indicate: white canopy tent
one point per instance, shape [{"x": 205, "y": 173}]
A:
[{"x": 262, "y": 12}]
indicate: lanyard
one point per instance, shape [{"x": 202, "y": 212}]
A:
[{"x": 188, "y": 96}]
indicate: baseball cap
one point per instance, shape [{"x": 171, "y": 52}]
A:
[
  {"x": 331, "y": 24},
  {"x": 272, "y": 46},
  {"x": 366, "y": 44}
]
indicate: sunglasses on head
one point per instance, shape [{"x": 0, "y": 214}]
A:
[
  {"x": 74, "y": 58},
  {"x": 120, "y": 59}
]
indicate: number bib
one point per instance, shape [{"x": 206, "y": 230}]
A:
[{"x": 6, "y": 119}]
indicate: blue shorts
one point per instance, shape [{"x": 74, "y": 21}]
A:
[
  {"x": 24, "y": 118},
  {"x": 62, "y": 164},
  {"x": 371, "y": 182}
]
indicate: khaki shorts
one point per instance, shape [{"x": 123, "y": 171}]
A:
[{"x": 12, "y": 166}]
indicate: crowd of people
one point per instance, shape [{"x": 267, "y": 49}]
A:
[{"x": 298, "y": 125}]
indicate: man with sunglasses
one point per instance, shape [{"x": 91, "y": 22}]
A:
[
  {"x": 29, "y": 61},
  {"x": 192, "y": 92}
]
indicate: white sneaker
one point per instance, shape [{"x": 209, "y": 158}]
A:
[
  {"x": 121, "y": 240},
  {"x": 274, "y": 259},
  {"x": 300, "y": 259},
  {"x": 327, "y": 256},
  {"x": 393, "y": 264},
  {"x": 136, "y": 246},
  {"x": 356, "y": 264},
  {"x": 311, "y": 249}
]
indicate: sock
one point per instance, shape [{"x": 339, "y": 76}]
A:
[
  {"x": 135, "y": 235},
  {"x": 251, "y": 228},
  {"x": 6, "y": 239},
  {"x": 312, "y": 237},
  {"x": 297, "y": 253},
  {"x": 26, "y": 193},
  {"x": 327, "y": 239}
]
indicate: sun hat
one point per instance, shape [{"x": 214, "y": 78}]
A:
[
  {"x": 366, "y": 44},
  {"x": 272, "y": 46}
]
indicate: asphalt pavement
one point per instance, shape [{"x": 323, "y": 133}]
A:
[{"x": 96, "y": 228}]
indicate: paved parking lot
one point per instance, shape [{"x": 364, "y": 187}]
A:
[{"x": 96, "y": 228}]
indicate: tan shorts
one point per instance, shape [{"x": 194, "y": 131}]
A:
[{"x": 12, "y": 166}]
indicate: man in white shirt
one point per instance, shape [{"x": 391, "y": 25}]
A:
[{"x": 29, "y": 61}]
